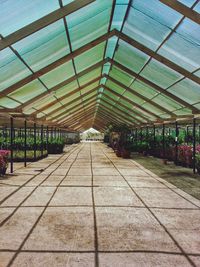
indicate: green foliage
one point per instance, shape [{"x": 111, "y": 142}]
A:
[{"x": 55, "y": 145}]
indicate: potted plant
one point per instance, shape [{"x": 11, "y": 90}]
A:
[
  {"x": 198, "y": 163},
  {"x": 4, "y": 154},
  {"x": 126, "y": 150}
]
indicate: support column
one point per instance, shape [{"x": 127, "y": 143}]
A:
[
  {"x": 11, "y": 144},
  {"x": 194, "y": 145},
  {"x": 163, "y": 140},
  {"x": 176, "y": 143},
  {"x": 42, "y": 141},
  {"x": 187, "y": 133},
  {"x": 34, "y": 136},
  {"x": 25, "y": 143},
  {"x": 47, "y": 139}
]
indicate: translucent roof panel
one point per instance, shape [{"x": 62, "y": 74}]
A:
[
  {"x": 8, "y": 103},
  {"x": 17, "y": 14},
  {"x": 134, "y": 98},
  {"x": 58, "y": 75},
  {"x": 52, "y": 108},
  {"x": 188, "y": 3},
  {"x": 143, "y": 89},
  {"x": 45, "y": 46},
  {"x": 121, "y": 76},
  {"x": 159, "y": 74},
  {"x": 66, "y": 89},
  {"x": 39, "y": 104},
  {"x": 147, "y": 23},
  {"x": 183, "y": 50},
  {"x": 167, "y": 102},
  {"x": 89, "y": 76},
  {"x": 118, "y": 89},
  {"x": 126, "y": 53},
  {"x": 28, "y": 91},
  {"x": 90, "y": 57},
  {"x": 89, "y": 87},
  {"x": 187, "y": 90},
  {"x": 90, "y": 22},
  {"x": 12, "y": 69},
  {"x": 119, "y": 14},
  {"x": 111, "y": 47}
]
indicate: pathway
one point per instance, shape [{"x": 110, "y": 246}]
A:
[{"x": 89, "y": 208}]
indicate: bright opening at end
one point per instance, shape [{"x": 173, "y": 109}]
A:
[{"x": 92, "y": 135}]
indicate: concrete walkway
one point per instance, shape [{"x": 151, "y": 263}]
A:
[{"x": 89, "y": 208}]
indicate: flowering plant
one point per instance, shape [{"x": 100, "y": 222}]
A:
[{"x": 4, "y": 154}]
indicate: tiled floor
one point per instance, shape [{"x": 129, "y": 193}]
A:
[{"x": 89, "y": 208}]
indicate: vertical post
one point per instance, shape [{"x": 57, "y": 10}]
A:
[
  {"x": 163, "y": 139},
  {"x": 42, "y": 141},
  {"x": 194, "y": 145},
  {"x": 187, "y": 133},
  {"x": 136, "y": 135},
  {"x": 34, "y": 136},
  {"x": 176, "y": 143},
  {"x": 147, "y": 133},
  {"x": 11, "y": 145},
  {"x": 47, "y": 139},
  {"x": 25, "y": 142},
  {"x": 154, "y": 134}
]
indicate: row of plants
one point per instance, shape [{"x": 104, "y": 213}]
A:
[
  {"x": 159, "y": 146},
  {"x": 54, "y": 145}
]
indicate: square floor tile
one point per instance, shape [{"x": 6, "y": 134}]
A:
[
  {"x": 6, "y": 191},
  {"x": 142, "y": 260},
  {"x": 18, "y": 197},
  {"x": 143, "y": 182},
  {"x": 116, "y": 196},
  {"x": 165, "y": 198},
  {"x": 5, "y": 258},
  {"x": 40, "y": 196},
  {"x": 77, "y": 181},
  {"x": 80, "y": 171},
  {"x": 134, "y": 171},
  {"x": 53, "y": 180},
  {"x": 182, "y": 219},
  {"x": 14, "y": 231},
  {"x": 4, "y": 213},
  {"x": 65, "y": 196},
  {"x": 63, "y": 229},
  {"x": 54, "y": 260},
  {"x": 196, "y": 260},
  {"x": 189, "y": 240},
  {"x": 17, "y": 180},
  {"x": 37, "y": 180},
  {"x": 123, "y": 229},
  {"x": 105, "y": 171},
  {"x": 109, "y": 181}
]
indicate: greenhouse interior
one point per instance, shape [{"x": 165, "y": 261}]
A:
[{"x": 100, "y": 133}]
